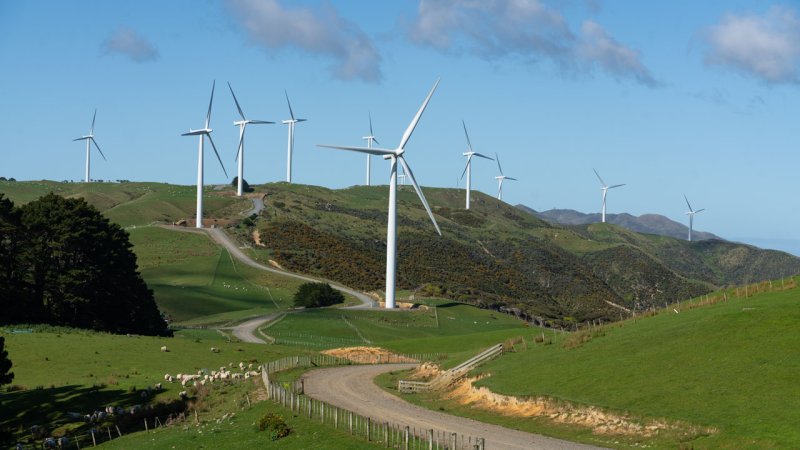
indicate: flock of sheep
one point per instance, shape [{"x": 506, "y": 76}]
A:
[{"x": 204, "y": 376}]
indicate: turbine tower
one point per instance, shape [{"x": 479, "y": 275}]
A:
[
  {"x": 370, "y": 139},
  {"x": 291, "y": 122},
  {"x": 501, "y": 178},
  {"x": 89, "y": 138},
  {"x": 468, "y": 168},
  {"x": 605, "y": 189},
  {"x": 204, "y": 133},
  {"x": 691, "y": 214},
  {"x": 240, "y": 152},
  {"x": 395, "y": 156}
]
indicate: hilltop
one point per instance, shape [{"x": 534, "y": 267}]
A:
[
  {"x": 493, "y": 255},
  {"x": 646, "y": 223}
]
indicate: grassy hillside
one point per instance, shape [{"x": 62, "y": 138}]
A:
[
  {"x": 133, "y": 203},
  {"x": 495, "y": 254},
  {"x": 731, "y": 366}
]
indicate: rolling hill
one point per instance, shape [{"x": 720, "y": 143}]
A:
[
  {"x": 493, "y": 255},
  {"x": 646, "y": 223}
]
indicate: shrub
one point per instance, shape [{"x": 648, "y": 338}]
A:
[
  {"x": 315, "y": 295},
  {"x": 275, "y": 425}
]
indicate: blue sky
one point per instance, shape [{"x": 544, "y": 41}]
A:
[{"x": 670, "y": 97}]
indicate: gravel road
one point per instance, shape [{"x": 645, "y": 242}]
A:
[{"x": 352, "y": 387}]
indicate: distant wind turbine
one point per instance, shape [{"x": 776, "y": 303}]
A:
[
  {"x": 291, "y": 122},
  {"x": 370, "y": 140},
  {"x": 240, "y": 152},
  {"x": 468, "y": 167},
  {"x": 605, "y": 189},
  {"x": 395, "y": 156},
  {"x": 204, "y": 133},
  {"x": 501, "y": 178},
  {"x": 691, "y": 214},
  {"x": 402, "y": 177},
  {"x": 89, "y": 138}
]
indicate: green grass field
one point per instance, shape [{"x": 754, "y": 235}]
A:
[
  {"x": 197, "y": 283},
  {"x": 730, "y": 366}
]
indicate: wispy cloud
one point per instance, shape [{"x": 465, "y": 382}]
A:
[
  {"x": 766, "y": 46},
  {"x": 321, "y": 31},
  {"x": 528, "y": 29},
  {"x": 128, "y": 42}
]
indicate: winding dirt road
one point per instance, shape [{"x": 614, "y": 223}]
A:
[{"x": 353, "y": 388}]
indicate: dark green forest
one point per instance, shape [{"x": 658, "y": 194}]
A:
[{"x": 63, "y": 263}]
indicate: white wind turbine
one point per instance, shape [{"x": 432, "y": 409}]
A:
[
  {"x": 501, "y": 178},
  {"x": 89, "y": 138},
  {"x": 291, "y": 122},
  {"x": 468, "y": 168},
  {"x": 605, "y": 189},
  {"x": 370, "y": 140},
  {"x": 240, "y": 152},
  {"x": 691, "y": 214},
  {"x": 204, "y": 133},
  {"x": 395, "y": 156}
]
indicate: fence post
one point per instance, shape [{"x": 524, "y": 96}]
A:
[
  {"x": 430, "y": 439},
  {"x": 145, "y": 424},
  {"x": 453, "y": 440},
  {"x": 350, "y": 421},
  {"x": 369, "y": 428},
  {"x": 386, "y": 434},
  {"x": 405, "y": 438},
  {"x": 481, "y": 442},
  {"x": 322, "y": 412},
  {"x": 94, "y": 442}
]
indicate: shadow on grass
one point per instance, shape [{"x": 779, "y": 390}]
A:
[{"x": 48, "y": 408}]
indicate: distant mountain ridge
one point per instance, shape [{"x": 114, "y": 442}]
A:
[{"x": 646, "y": 223}]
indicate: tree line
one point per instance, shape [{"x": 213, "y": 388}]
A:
[{"x": 63, "y": 263}]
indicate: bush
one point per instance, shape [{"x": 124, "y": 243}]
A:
[
  {"x": 315, "y": 295},
  {"x": 275, "y": 425}
]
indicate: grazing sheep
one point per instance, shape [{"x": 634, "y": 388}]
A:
[
  {"x": 109, "y": 410},
  {"x": 158, "y": 386},
  {"x": 63, "y": 442},
  {"x": 214, "y": 350},
  {"x": 183, "y": 395},
  {"x": 167, "y": 377},
  {"x": 164, "y": 348}
]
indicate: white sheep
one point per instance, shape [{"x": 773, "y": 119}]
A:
[
  {"x": 183, "y": 395},
  {"x": 214, "y": 350},
  {"x": 164, "y": 348}
]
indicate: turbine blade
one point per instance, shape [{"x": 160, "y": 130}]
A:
[
  {"x": 465, "y": 168},
  {"x": 469, "y": 144},
  {"x": 419, "y": 192},
  {"x": 372, "y": 151},
  {"x": 701, "y": 209},
  {"x": 217, "y": 153},
  {"x": 237, "y": 102},
  {"x": 208, "y": 115},
  {"x": 601, "y": 180},
  {"x": 616, "y": 186},
  {"x": 301, "y": 120},
  {"x": 413, "y": 124},
  {"x": 259, "y": 122},
  {"x": 375, "y": 140},
  {"x": 370, "y": 126},
  {"x": 484, "y": 156},
  {"x": 511, "y": 178},
  {"x": 80, "y": 139},
  {"x": 193, "y": 133},
  {"x": 93, "y": 118},
  {"x": 497, "y": 158},
  {"x": 687, "y": 203},
  {"x": 291, "y": 113},
  {"x": 98, "y": 149}
]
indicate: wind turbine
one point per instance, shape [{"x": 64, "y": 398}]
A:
[
  {"x": 605, "y": 189},
  {"x": 395, "y": 156},
  {"x": 204, "y": 133},
  {"x": 89, "y": 138},
  {"x": 240, "y": 152},
  {"x": 402, "y": 177},
  {"x": 691, "y": 214},
  {"x": 468, "y": 168},
  {"x": 501, "y": 178},
  {"x": 291, "y": 122},
  {"x": 370, "y": 139}
]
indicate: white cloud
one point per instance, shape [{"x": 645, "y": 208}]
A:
[
  {"x": 128, "y": 42},
  {"x": 766, "y": 47},
  {"x": 321, "y": 32},
  {"x": 598, "y": 48},
  {"x": 529, "y": 29}
]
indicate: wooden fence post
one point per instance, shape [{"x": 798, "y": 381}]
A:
[{"x": 405, "y": 438}]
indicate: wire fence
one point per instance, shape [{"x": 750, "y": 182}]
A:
[{"x": 391, "y": 435}]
